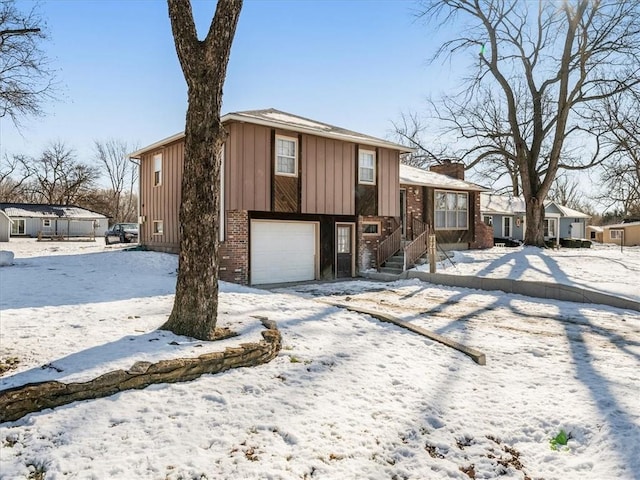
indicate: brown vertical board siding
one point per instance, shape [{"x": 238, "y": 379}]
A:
[
  {"x": 162, "y": 202},
  {"x": 348, "y": 181},
  {"x": 388, "y": 182},
  {"x": 327, "y": 176},
  {"x": 247, "y": 169},
  {"x": 309, "y": 199}
]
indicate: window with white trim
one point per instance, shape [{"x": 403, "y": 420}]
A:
[
  {"x": 157, "y": 169},
  {"x": 506, "y": 226},
  {"x": 616, "y": 234},
  {"x": 157, "y": 227},
  {"x": 451, "y": 210},
  {"x": 18, "y": 226},
  {"x": 550, "y": 227},
  {"x": 46, "y": 223},
  {"x": 367, "y": 167},
  {"x": 286, "y": 156}
]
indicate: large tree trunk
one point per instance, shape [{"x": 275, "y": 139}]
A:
[
  {"x": 204, "y": 64},
  {"x": 534, "y": 232}
]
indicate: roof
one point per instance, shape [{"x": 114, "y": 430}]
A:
[
  {"x": 418, "y": 176},
  {"x": 501, "y": 204},
  {"x": 596, "y": 228},
  {"x": 32, "y": 210},
  {"x": 569, "y": 212},
  {"x": 507, "y": 205},
  {"x": 622, "y": 225},
  {"x": 278, "y": 119},
  {"x": 2, "y": 212}
]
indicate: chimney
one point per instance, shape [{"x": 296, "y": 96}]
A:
[{"x": 450, "y": 169}]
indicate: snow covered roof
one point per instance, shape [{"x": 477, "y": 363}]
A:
[
  {"x": 596, "y": 228},
  {"x": 31, "y": 210},
  {"x": 621, "y": 225},
  {"x": 569, "y": 212},
  {"x": 418, "y": 176},
  {"x": 278, "y": 119},
  {"x": 507, "y": 205},
  {"x": 501, "y": 204}
]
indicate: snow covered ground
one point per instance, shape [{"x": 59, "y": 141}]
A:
[
  {"x": 348, "y": 397},
  {"x": 603, "y": 268}
]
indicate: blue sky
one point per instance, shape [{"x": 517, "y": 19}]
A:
[{"x": 353, "y": 63}]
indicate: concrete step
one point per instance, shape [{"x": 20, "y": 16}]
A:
[
  {"x": 394, "y": 264},
  {"x": 391, "y": 270}
]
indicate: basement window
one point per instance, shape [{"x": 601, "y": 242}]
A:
[
  {"x": 370, "y": 228},
  {"x": 157, "y": 227}
]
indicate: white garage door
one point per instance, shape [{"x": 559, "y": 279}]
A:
[{"x": 282, "y": 251}]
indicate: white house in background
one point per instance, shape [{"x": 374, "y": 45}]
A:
[
  {"x": 5, "y": 227},
  {"x": 31, "y": 220},
  {"x": 507, "y": 215}
]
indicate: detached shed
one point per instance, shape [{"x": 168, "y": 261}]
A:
[
  {"x": 32, "y": 220},
  {"x": 5, "y": 227}
]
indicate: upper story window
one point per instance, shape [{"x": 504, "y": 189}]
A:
[
  {"x": 157, "y": 169},
  {"x": 367, "y": 167},
  {"x": 286, "y": 156},
  {"x": 451, "y": 211}
]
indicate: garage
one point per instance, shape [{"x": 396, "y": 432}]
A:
[{"x": 283, "y": 251}]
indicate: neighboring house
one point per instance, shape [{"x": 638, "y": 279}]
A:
[
  {"x": 627, "y": 234},
  {"x": 595, "y": 233},
  {"x": 5, "y": 226},
  {"x": 300, "y": 199},
  {"x": 32, "y": 220},
  {"x": 507, "y": 216},
  {"x": 444, "y": 201}
]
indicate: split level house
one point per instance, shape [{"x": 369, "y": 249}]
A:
[
  {"x": 304, "y": 200},
  {"x": 300, "y": 199},
  {"x": 507, "y": 216},
  {"x": 34, "y": 220}
]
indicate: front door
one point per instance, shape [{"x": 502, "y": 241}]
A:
[{"x": 344, "y": 247}]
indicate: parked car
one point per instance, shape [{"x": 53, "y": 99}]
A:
[{"x": 121, "y": 233}]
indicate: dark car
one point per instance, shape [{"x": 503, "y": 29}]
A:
[{"x": 121, "y": 233}]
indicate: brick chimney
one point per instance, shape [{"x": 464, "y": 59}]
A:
[{"x": 449, "y": 168}]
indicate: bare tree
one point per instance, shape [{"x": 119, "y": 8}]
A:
[
  {"x": 204, "y": 64},
  {"x": 552, "y": 60},
  {"x": 112, "y": 156},
  {"x": 25, "y": 78},
  {"x": 13, "y": 178},
  {"x": 619, "y": 118},
  {"x": 58, "y": 178},
  {"x": 565, "y": 190},
  {"x": 411, "y": 131}
]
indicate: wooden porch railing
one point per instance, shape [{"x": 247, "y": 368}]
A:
[
  {"x": 389, "y": 246},
  {"x": 418, "y": 227},
  {"x": 418, "y": 247}
]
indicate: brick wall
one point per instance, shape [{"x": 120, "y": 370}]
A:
[
  {"x": 368, "y": 244},
  {"x": 415, "y": 205},
  {"x": 234, "y": 251},
  {"x": 484, "y": 233}
]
